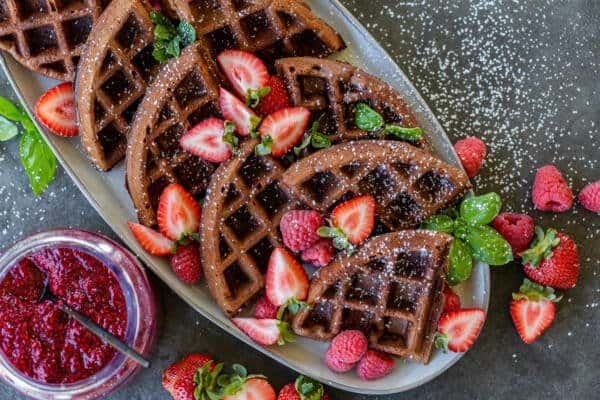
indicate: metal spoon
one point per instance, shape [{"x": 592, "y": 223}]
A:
[{"x": 94, "y": 328}]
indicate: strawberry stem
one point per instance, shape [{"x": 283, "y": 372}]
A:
[
  {"x": 535, "y": 292},
  {"x": 441, "y": 341},
  {"x": 541, "y": 247}
]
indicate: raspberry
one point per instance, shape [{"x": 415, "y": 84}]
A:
[
  {"x": 334, "y": 363},
  {"x": 276, "y": 99},
  {"x": 517, "y": 229},
  {"x": 471, "y": 152},
  {"x": 299, "y": 229},
  {"x": 451, "y": 300},
  {"x": 319, "y": 254},
  {"x": 550, "y": 190},
  {"x": 186, "y": 263},
  {"x": 589, "y": 197},
  {"x": 349, "y": 346},
  {"x": 264, "y": 309},
  {"x": 374, "y": 365}
]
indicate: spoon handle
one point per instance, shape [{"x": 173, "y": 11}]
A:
[{"x": 106, "y": 336}]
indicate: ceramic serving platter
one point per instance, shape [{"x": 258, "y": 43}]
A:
[{"x": 106, "y": 192}]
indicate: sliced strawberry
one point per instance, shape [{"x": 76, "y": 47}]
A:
[
  {"x": 254, "y": 389},
  {"x": 286, "y": 279},
  {"x": 56, "y": 110},
  {"x": 355, "y": 217},
  {"x": 458, "y": 330},
  {"x": 153, "y": 242},
  {"x": 532, "y": 310},
  {"x": 205, "y": 140},
  {"x": 285, "y": 127},
  {"x": 245, "y": 120},
  {"x": 246, "y": 73},
  {"x": 277, "y": 98},
  {"x": 265, "y": 332},
  {"x": 178, "y": 213}
]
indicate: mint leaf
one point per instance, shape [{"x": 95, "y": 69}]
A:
[
  {"x": 367, "y": 119},
  {"x": 187, "y": 33},
  {"x": 10, "y": 111},
  {"x": 169, "y": 40},
  {"x": 38, "y": 160},
  {"x": 160, "y": 52},
  {"x": 461, "y": 263},
  {"x": 409, "y": 134},
  {"x": 8, "y": 129},
  {"x": 480, "y": 210},
  {"x": 158, "y": 18},
  {"x": 172, "y": 47},
  {"x": 488, "y": 245}
]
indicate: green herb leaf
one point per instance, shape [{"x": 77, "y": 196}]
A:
[
  {"x": 316, "y": 139},
  {"x": 38, "y": 160},
  {"x": 480, "y": 210},
  {"x": 367, "y": 119},
  {"x": 8, "y": 129},
  {"x": 253, "y": 97},
  {"x": 254, "y": 124},
  {"x": 172, "y": 47},
  {"x": 264, "y": 147},
  {"x": 409, "y": 134},
  {"x": 160, "y": 52},
  {"x": 158, "y": 18},
  {"x": 10, "y": 111},
  {"x": 164, "y": 32},
  {"x": 461, "y": 263},
  {"x": 187, "y": 33},
  {"x": 440, "y": 223},
  {"x": 488, "y": 245},
  {"x": 169, "y": 40}
]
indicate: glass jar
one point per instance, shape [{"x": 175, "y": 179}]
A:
[{"x": 141, "y": 314}]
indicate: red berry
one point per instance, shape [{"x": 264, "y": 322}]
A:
[
  {"x": 355, "y": 217},
  {"x": 285, "y": 127},
  {"x": 334, "y": 363},
  {"x": 550, "y": 190},
  {"x": 472, "y": 152},
  {"x": 374, "y": 365},
  {"x": 303, "y": 389},
  {"x": 186, "y": 263},
  {"x": 451, "y": 300},
  {"x": 152, "y": 241},
  {"x": 56, "y": 110},
  {"x": 178, "y": 379},
  {"x": 253, "y": 389},
  {"x": 589, "y": 197},
  {"x": 277, "y": 98},
  {"x": 245, "y": 120},
  {"x": 205, "y": 140},
  {"x": 517, "y": 229},
  {"x": 319, "y": 254},
  {"x": 246, "y": 73},
  {"x": 459, "y": 329},
  {"x": 299, "y": 229},
  {"x": 264, "y": 331},
  {"x": 286, "y": 279},
  {"x": 532, "y": 310},
  {"x": 349, "y": 346},
  {"x": 178, "y": 213},
  {"x": 264, "y": 309}
]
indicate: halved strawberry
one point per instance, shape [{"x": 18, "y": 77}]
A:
[
  {"x": 286, "y": 281},
  {"x": 355, "y": 217},
  {"x": 56, "y": 110},
  {"x": 153, "y": 242},
  {"x": 205, "y": 140},
  {"x": 246, "y": 73},
  {"x": 285, "y": 128},
  {"x": 178, "y": 212},
  {"x": 265, "y": 331},
  {"x": 245, "y": 120},
  {"x": 253, "y": 389},
  {"x": 458, "y": 330},
  {"x": 532, "y": 310}
]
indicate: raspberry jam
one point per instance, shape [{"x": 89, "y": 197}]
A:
[{"x": 40, "y": 340}]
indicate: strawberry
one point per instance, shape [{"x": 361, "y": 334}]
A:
[
  {"x": 458, "y": 330},
  {"x": 178, "y": 213},
  {"x": 264, "y": 309},
  {"x": 352, "y": 222},
  {"x": 153, "y": 242},
  {"x": 286, "y": 282},
  {"x": 186, "y": 263},
  {"x": 253, "y": 389},
  {"x": 303, "y": 389},
  {"x": 246, "y": 73},
  {"x": 56, "y": 110},
  {"x": 276, "y": 99},
  {"x": 451, "y": 300},
  {"x": 206, "y": 140},
  {"x": 281, "y": 130},
  {"x": 185, "y": 368},
  {"x": 552, "y": 260},
  {"x": 532, "y": 310},
  {"x": 245, "y": 120},
  {"x": 265, "y": 332}
]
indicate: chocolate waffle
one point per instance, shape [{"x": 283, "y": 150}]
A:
[
  {"x": 48, "y": 36},
  {"x": 184, "y": 94},
  {"x": 390, "y": 289},
  {"x": 249, "y": 194},
  {"x": 408, "y": 184},
  {"x": 113, "y": 75},
  {"x": 271, "y": 29},
  {"x": 331, "y": 90}
]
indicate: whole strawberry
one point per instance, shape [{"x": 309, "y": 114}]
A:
[
  {"x": 186, "y": 263},
  {"x": 552, "y": 260},
  {"x": 303, "y": 389},
  {"x": 178, "y": 379},
  {"x": 277, "y": 98}
]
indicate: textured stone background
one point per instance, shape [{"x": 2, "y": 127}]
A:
[{"x": 523, "y": 75}]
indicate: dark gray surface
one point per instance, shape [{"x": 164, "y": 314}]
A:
[{"x": 522, "y": 75}]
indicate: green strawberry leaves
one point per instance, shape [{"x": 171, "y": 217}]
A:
[
  {"x": 309, "y": 389},
  {"x": 264, "y": 148},
  {"x": 229, "y": 136},
  {"x": 253, "y": 97},
  {"x": 473, "y": 238},
  {"x": 315, "y": 139},
  {"x": 213, "y": 384},
  {"x": 535, "y": 292},
  {"x": 339, "y": 238},
  {"x": 170, "y": 39},
  {"x": 367, "y": 119},
  {"x": 541, "y": 248}
]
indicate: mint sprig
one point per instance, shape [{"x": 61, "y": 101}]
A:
[
  {"x": 36, "y": 156},
  {"x": 315, "y": 139},
  {"x": 367, "y": 119},
  {"x": 170, "y": 39}
]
